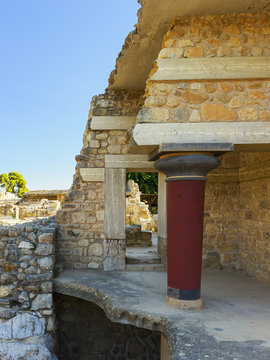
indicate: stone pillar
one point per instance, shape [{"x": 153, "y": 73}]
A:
[{"x": 185, "y": 177}]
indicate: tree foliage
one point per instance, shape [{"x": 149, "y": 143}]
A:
[
  {"x": 148, "y": 182},
  {"x": 14, "y": 183}
]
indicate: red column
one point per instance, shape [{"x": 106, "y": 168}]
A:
[{"x": 185, "y": 176}]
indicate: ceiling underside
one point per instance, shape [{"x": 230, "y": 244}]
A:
[{"x": 141, "y": 48}]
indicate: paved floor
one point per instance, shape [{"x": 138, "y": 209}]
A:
[{"x": 234, "y": 323}]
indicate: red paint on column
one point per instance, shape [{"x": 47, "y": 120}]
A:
[{"x": 185, "y": 210}]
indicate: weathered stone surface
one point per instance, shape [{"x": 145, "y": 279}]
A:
[
  {"x": 192, "y": 97},
  {"x": 181, "y": 115},
  {"x": 216, "y": 112},
  {"x": 42, "y": 301},
  {"x": 95, "y": 250},
  {"x": 45, "y": 263},
  {"x": 19, "y": 351},
  {"x": 22, "y": 326},
  {"x": 45, "y": 238},
  {"x": 44, "y": 249},
  {"x": 153, "y": 115}
]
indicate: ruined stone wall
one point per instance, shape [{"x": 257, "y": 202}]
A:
[
  {"x": 23, "y": 210},
  {"x": 81, "y": 240},
  {"x": 211, "y": 101},
  {"x": 84, "y": 332},
  {"x": 26, "y": 307}
]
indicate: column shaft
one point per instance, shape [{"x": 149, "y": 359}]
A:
[{"x": 185, "y": 204}]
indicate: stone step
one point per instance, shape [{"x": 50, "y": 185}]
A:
[
  {"x": 144, "y": 267},
  {"x": 143, "y": 258}
]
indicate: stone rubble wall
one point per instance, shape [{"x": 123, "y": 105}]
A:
[
  {"x": 24, "y": 210},
  {"x": 236, "y": 35},
  {"x": 81, "y": 242},
  {"x": 26, "y": 308}
]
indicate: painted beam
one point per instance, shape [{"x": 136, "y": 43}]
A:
[
  {"x": 214, "y": 132},
  {"x": 257, "y": 67},
  {"x": 128, "y": 162},
  {"x": 92, "y": 174},
  {"x": 112, "y": 122}
]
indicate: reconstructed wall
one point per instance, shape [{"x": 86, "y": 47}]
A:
[
  {"x": 81, "y": 240},
  {"x": 26, "y": 307},
  {"x": 84, "y": 332},
  {"x": 211, "y": 101},
  {"x": 236, "y": 204}
]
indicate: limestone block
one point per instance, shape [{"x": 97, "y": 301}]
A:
[
  {"x": 22, "y": 326},
  {"x": 245, "y": 67},
  {"x": 92, "y": 174},
  {"x": 44, "y": 249},
  {"x": 95, "y": 250},
  {"x": 153, "y": 115},
  {"x": 45, "y": 238},
  {"x": 214, "y": 132},
  {"x": 16, "y": 350},
  {"x": 26, "y": 245},
  {"x": 78, "y": 217},
  {"x": 42, "y": 301},
  {"x": 45, "y": 263},
  {"x": 112, "y": 122}
]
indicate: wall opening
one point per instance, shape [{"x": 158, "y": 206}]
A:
[
  {"x": 142, "y": 221},
  {"x": 84, "y": 332}
]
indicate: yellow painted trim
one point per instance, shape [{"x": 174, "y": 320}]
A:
[
  {"x": 187, "y": 153},
  {"x": 185, "y": 176}
]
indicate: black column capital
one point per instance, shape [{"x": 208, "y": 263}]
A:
[{"x": 186, "y": 166}]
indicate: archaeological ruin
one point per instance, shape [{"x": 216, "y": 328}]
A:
[{"x": 189, "y": 98}]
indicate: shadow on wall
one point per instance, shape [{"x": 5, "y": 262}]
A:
[{"x": 84, "y": 332}]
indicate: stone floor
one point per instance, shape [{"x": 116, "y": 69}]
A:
[
  {"x": 234, "y": 323},
  {"x": 144, "y": 258}
]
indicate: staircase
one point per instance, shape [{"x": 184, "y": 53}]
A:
[{"x": 143, "y": 259}]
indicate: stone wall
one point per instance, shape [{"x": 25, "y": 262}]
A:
[
  {"x": 81, "y": 240},
  {"x": 14, "y": 209},
  {"x": 234, "y": 35},
  {"x": 26, "y": 307},
  {"x": 84, "y": 332}
]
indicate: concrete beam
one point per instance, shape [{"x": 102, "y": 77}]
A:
[
  {"x": 92, "y": 174},
  {"x": 129, "y": 162},
  {"x": 213, "y": 132},
  {"x": 250, "y": 67},
  {"x": 112, "y": 122}
]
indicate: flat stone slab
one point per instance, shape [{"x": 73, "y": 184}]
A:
[{"x": 234, "y": 323}]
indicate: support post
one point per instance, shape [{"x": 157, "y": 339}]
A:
[{"x": 185, "y": 177}]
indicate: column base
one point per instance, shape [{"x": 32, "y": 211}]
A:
[{"x": 184, "y": 304}]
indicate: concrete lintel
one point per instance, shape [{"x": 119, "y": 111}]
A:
[
  {"x": 249, "y": 67},
  {"x": 92, "y": 174},
  {"x": 112, "y": 122},
  {"x": 128, "y": 162},
  {"x": 212, "y": 132}
]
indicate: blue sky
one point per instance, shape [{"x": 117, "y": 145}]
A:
[{"x": 55, "y": 55}]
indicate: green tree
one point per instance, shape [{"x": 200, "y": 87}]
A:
[
  {"x": 14, "y": 183},
  {"x": 148, "y": 182}
]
